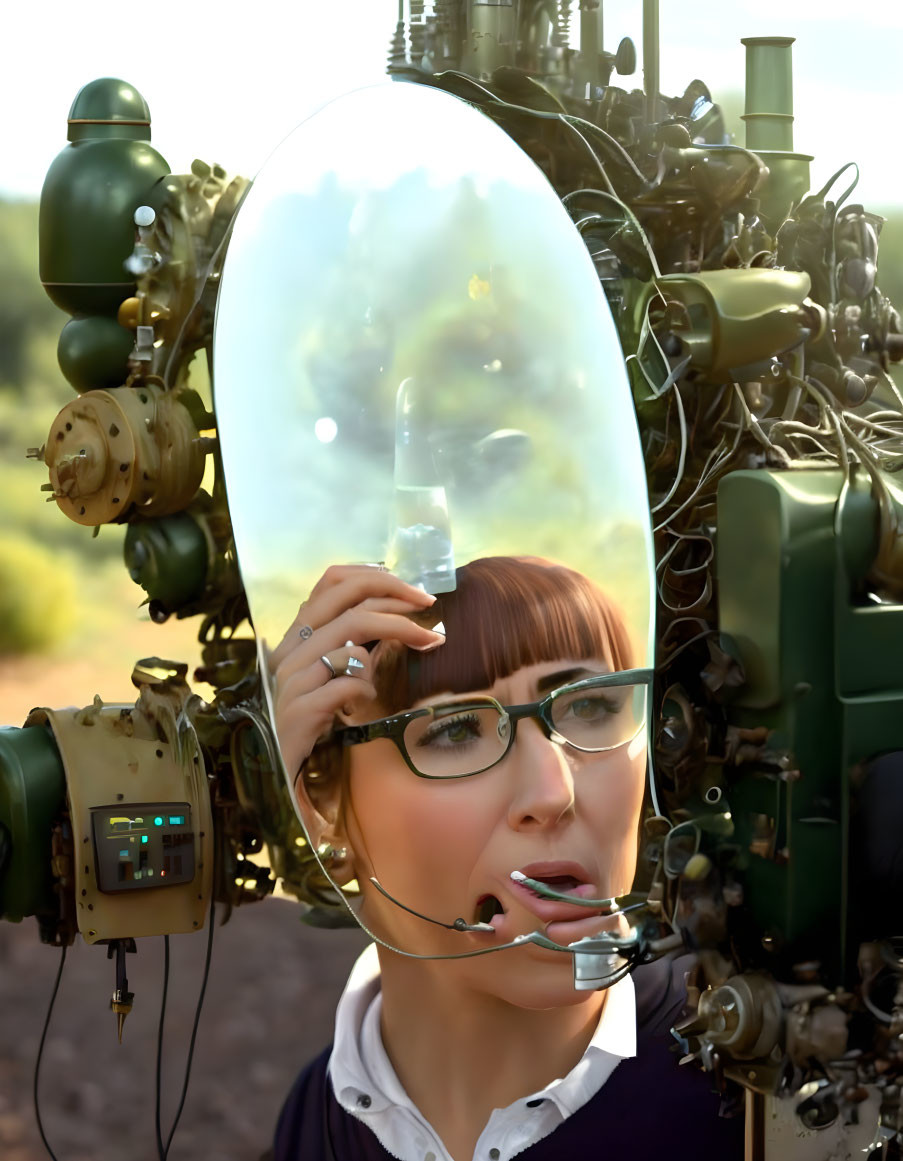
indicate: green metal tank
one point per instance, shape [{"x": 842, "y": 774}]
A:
[{"x": 87, "y": 230}]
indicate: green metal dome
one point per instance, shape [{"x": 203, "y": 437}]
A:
[{"x": 111, "y": 102}]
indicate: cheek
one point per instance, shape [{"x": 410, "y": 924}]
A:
[
  {"x": 613, "y": 807},
  {"x": 417, "y": 828}
]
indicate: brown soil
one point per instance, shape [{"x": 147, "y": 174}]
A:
[
  {"x": 268, "y": 1009},
  {"x": 269, "y": 1004}
]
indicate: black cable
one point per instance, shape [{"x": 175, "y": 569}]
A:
[
  {"x": 37, "y": 1063},
  {"x": 194, "y": 1029},
  {"x": 161, "y": 1152}
]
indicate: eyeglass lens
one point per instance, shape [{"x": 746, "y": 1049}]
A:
[{"x": 461, "y": 739}]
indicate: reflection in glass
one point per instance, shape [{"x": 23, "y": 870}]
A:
[{"x": 415, "y": 364}]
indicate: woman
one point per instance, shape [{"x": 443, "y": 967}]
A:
[{"x": 496, "y": 740}]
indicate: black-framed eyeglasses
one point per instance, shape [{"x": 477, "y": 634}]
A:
[{"x": 461, "y": 738}]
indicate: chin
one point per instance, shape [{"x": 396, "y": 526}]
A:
[{"x": 536, "y": 979}]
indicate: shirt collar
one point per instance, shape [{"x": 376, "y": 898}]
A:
[{"x": 365, "y": 1082}]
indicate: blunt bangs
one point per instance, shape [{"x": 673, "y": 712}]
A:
[{"x": 506, "y": 612}]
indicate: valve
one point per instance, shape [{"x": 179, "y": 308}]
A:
[{"x": 112, "y": 452}]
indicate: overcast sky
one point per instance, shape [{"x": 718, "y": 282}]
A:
[{"x": 229, "y": 90}]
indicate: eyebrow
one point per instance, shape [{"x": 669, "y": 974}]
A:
[
  {"x": 564, "y": 677},
  {"x": 543, "y": 685}
]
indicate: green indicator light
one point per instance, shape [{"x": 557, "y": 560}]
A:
[
  {"x": 144, "y": 838},
  {"x": 158, "y": 821},
  {"x": 177, "y": 820}
]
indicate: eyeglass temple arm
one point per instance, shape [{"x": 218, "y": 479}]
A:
[{"x": 354, "y": 735}]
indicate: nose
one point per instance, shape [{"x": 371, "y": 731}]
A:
[{"x": 542, "y": 793}]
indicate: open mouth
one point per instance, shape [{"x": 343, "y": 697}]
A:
[
  {"x": 556, "y": 893},
  {"x": 487, "y": 908}
]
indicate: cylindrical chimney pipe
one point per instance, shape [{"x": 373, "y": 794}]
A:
[{"x": 769, "y": 93}]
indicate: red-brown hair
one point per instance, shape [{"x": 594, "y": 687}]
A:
[{"x": 506, "y": 612}]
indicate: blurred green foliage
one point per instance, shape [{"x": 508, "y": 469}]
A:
[
  {"x": 37, "y": 596},
  {"x": 42, "y": 553},
  {"x": 29, "y": 322}
]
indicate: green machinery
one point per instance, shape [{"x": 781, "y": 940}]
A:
[{"x": 759, "y": 347}]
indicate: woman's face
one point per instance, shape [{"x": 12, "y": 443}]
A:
[{"x": 447, "y": 847}]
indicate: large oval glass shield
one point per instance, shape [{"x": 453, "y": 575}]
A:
[{"x": 416, "y": 368}]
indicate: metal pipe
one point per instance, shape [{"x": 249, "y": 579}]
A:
[
  {"x": 590, "y": 41},
  {"x": 769, "y": 93},
  {"x": 650, "y": 59}
]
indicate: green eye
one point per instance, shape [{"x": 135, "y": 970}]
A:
[
  {"x": 448, "y": 732},
  {"x": 592, "y": 707},
  {"x": 457, "y": 731}
]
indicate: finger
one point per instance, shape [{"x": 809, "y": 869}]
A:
[
  {"x": 359, "y": 626},
  {"x": 298, "y": 655},
  {"x": 349, "y": 661},
  {"x": 302, "y": 721},
  {"x": 362, "y": 626},
  {"x": 342, "y": 588},
  {"x": 357, "y": 585}
]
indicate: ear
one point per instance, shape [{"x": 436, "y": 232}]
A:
[{"x": 319, "y": 802}]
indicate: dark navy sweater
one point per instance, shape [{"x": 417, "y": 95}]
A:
[{"x": 648, "y": 1108}]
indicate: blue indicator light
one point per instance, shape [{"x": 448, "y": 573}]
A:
[
  {"x": 123, "y": 854},
  {"x": 158, "y": 821},
  {"x": 144, "y": 838},
  {"x": 177, "y": 820}
]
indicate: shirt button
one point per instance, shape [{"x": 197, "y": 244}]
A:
[
  {"x": 364, "y": 1101},
  {"x": 494, "y": 1154},
  {"x": 431, "y": 1156}
]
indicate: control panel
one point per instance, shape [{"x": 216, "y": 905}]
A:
[{"x": 143, "y": 845}]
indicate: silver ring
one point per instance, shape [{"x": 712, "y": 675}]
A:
[
  {"x": 352, "y": 667},
  {"x": 305, "y": 632},
  {"x": 329, "y": 665}
]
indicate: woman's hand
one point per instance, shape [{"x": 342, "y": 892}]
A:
[{"x": 350, "y": 606}]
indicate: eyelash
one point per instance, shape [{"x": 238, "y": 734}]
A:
[{"x": 439, "y": 728}]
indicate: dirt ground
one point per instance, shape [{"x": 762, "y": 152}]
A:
[
  {"x": 268, "y": 1009},
  {"x": 270, "y": 1001}
]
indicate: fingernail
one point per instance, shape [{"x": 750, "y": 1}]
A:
[
  {"x": 439, "y": 627},
  {"x": 349, "y": 644},
  {"x": 440, "y": 640}
]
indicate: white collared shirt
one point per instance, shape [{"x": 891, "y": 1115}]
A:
[{"x": 366, "y": 1086}]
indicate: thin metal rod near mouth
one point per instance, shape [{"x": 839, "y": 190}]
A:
[
  {"x": 458, "y": 925},
  {"x": 613, "y": 904}
]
